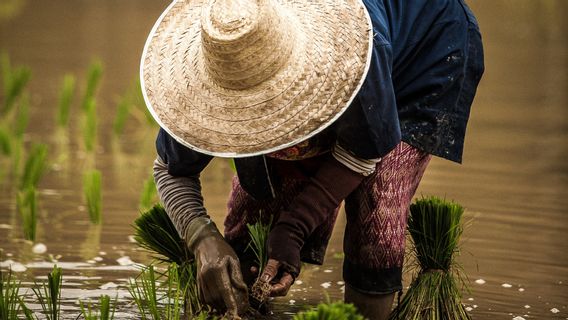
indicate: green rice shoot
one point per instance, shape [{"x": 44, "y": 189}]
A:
[
  {"x": 105, "y": 312},
  {"x": 258, "y": 233},
  {"x": 14, "y": 81},
  {"x": 35, "y": 166},
  {"x": 93, "y": 195},
  {"x": 435, "y": 293},
  {"x": 122, "y": 112},
  {"x": 94, "y": 75},
  {"x": 27, "y": 206},
  {"x": 10, "y": 302},
  {"x": 330, "y": 311},
  {"x": 149, "y": 194},
  {"x": 90, "y": 127},
  {"x": 48, "y": 294},
  {"x": 66, "y": 93},
  {"x": 5, "y": 142},
  {"x": 23, "y": 116}
]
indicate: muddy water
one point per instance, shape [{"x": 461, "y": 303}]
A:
[{"x": 514, "y": 180}]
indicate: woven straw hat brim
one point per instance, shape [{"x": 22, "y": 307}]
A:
[{"x": 321, "y": 76}]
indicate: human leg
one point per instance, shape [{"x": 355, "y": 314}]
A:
[{"x": 374, "y": 241}]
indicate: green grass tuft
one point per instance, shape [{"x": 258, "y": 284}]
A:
[
  {"x": 258, "y": 233},
  {"x": 35, "y": 166},
  {"x": 330, "y": 311},
  {"x": 48, "y": 294},
  {"x": 66, "y": 94},
  {"x": 105, "y": 311},
  {"x": 93, "y": 195},
  {"x": 27, "y": 206}
]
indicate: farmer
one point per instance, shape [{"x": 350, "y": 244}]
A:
[{"x": 318, "y": 102}]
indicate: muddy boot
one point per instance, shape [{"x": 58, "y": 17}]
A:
[{"x": 372, "y": 306}]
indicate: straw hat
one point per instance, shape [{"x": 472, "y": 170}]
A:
[{"x": 236, "y": 78}]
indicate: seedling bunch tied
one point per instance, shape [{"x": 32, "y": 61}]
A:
[
  {"x": 435, "y": 294},
  {"x": 258, "y": 233}
]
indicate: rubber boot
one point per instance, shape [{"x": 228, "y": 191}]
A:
[{"x": 372, "y": 306}]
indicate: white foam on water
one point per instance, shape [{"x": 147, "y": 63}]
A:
[
  {"x": 39, "y": 248},
  {"x": 108, "y": 285},
  {"x": 518, "y": 318},
  {"x": 292, "y": 301},
  {"x": 328, "y": 271},
  {"x": 326, "y": 285},
  {"x": 125, "y": 261},
  {"x": 506, "y": 285},
  {"x": 298, "y": 282},
  {"x": 480, "y": 281},
  {"x": 527, "y": 306},
  {"x": 554, "y": 310}
]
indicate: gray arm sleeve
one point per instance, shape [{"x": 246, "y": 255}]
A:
[{"x": 181, "y": 197}]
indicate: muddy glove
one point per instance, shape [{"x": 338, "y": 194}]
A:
[
  {"x": 330, "y": 185},
  {"x": 219, "y": 277}
]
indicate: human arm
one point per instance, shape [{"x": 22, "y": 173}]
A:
[
  {"x": 218, "y": 272},
  {"x": 338, "y": 174}
]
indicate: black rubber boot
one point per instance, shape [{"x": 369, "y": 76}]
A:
[{"x": 372, "y": 306}]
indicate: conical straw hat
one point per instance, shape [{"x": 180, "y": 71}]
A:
[{"x": 236, "y": 78}]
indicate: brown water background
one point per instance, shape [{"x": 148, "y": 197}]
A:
[{"x": 514, "y": 179}]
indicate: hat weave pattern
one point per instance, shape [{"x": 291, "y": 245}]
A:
[{"x": 245, "y": 77}]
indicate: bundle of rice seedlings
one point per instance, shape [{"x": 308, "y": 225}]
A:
[
  {"x": 435, "y": 294},
  {"x": 65, "y": 98},
  {"x": 90, "y": 127},
  {"x": 155, "y": 232},
  {"x": 49, "y": 294},
  {"x": 258, "y": 232},
  {"x": 27, "y": 206},
  {"x": 105, "y": 312},
  {"x": 330, "y": 311},
  {"x": 93, "y": 195}
]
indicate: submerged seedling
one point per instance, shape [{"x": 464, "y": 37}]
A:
[
  {"x": 48, "y": 294},
  {"x": 14, "y": 82},
  {"x": 93, "y": 194},
  {"x": 27, "y": 206},
  {"x": 66, "y": 93},
  {"x": 35, "y": 166},
  {"x": 105, "y": 312}
]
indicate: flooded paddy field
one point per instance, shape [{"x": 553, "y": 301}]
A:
[{"x": 513, "y": 182}]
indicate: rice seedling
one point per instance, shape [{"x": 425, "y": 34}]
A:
[
  {"x": 138, "y": 101},
  {"x": 258, "y": 233},
  {"x": 22, "y": 117},
  {"x": 14, "y": 81},
  {"x": 330, "y": 311},
  {"x": 105, "y": 311},
  {"x": 435, "y": 293},
  {"x": 10, "y": 302},
  {"x": 122, "y": 112},
  {"x": 94, "y": 75},
  {"x": 48, "y": 294},
  {"x": 149, "y": 194},
  {"x": 66, "y": 94},
  {"x": 93, "y": 195},
  {"x": 5, "y": 142},
  {"x": 27, "y": 206},
  {"x": 158, "y": 296},
  {"x": 90, "y": 127},
  {"x": 35, "y": 166}
]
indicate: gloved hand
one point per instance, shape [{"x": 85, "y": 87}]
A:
[
  {"x": 325, "y": 190},
  {"x": 219, "y": 277}
]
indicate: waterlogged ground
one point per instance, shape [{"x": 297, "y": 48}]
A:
[{"x": 514, "y": 180}]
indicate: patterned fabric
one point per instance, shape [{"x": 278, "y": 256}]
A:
[{"x": 376, "y": 220}]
